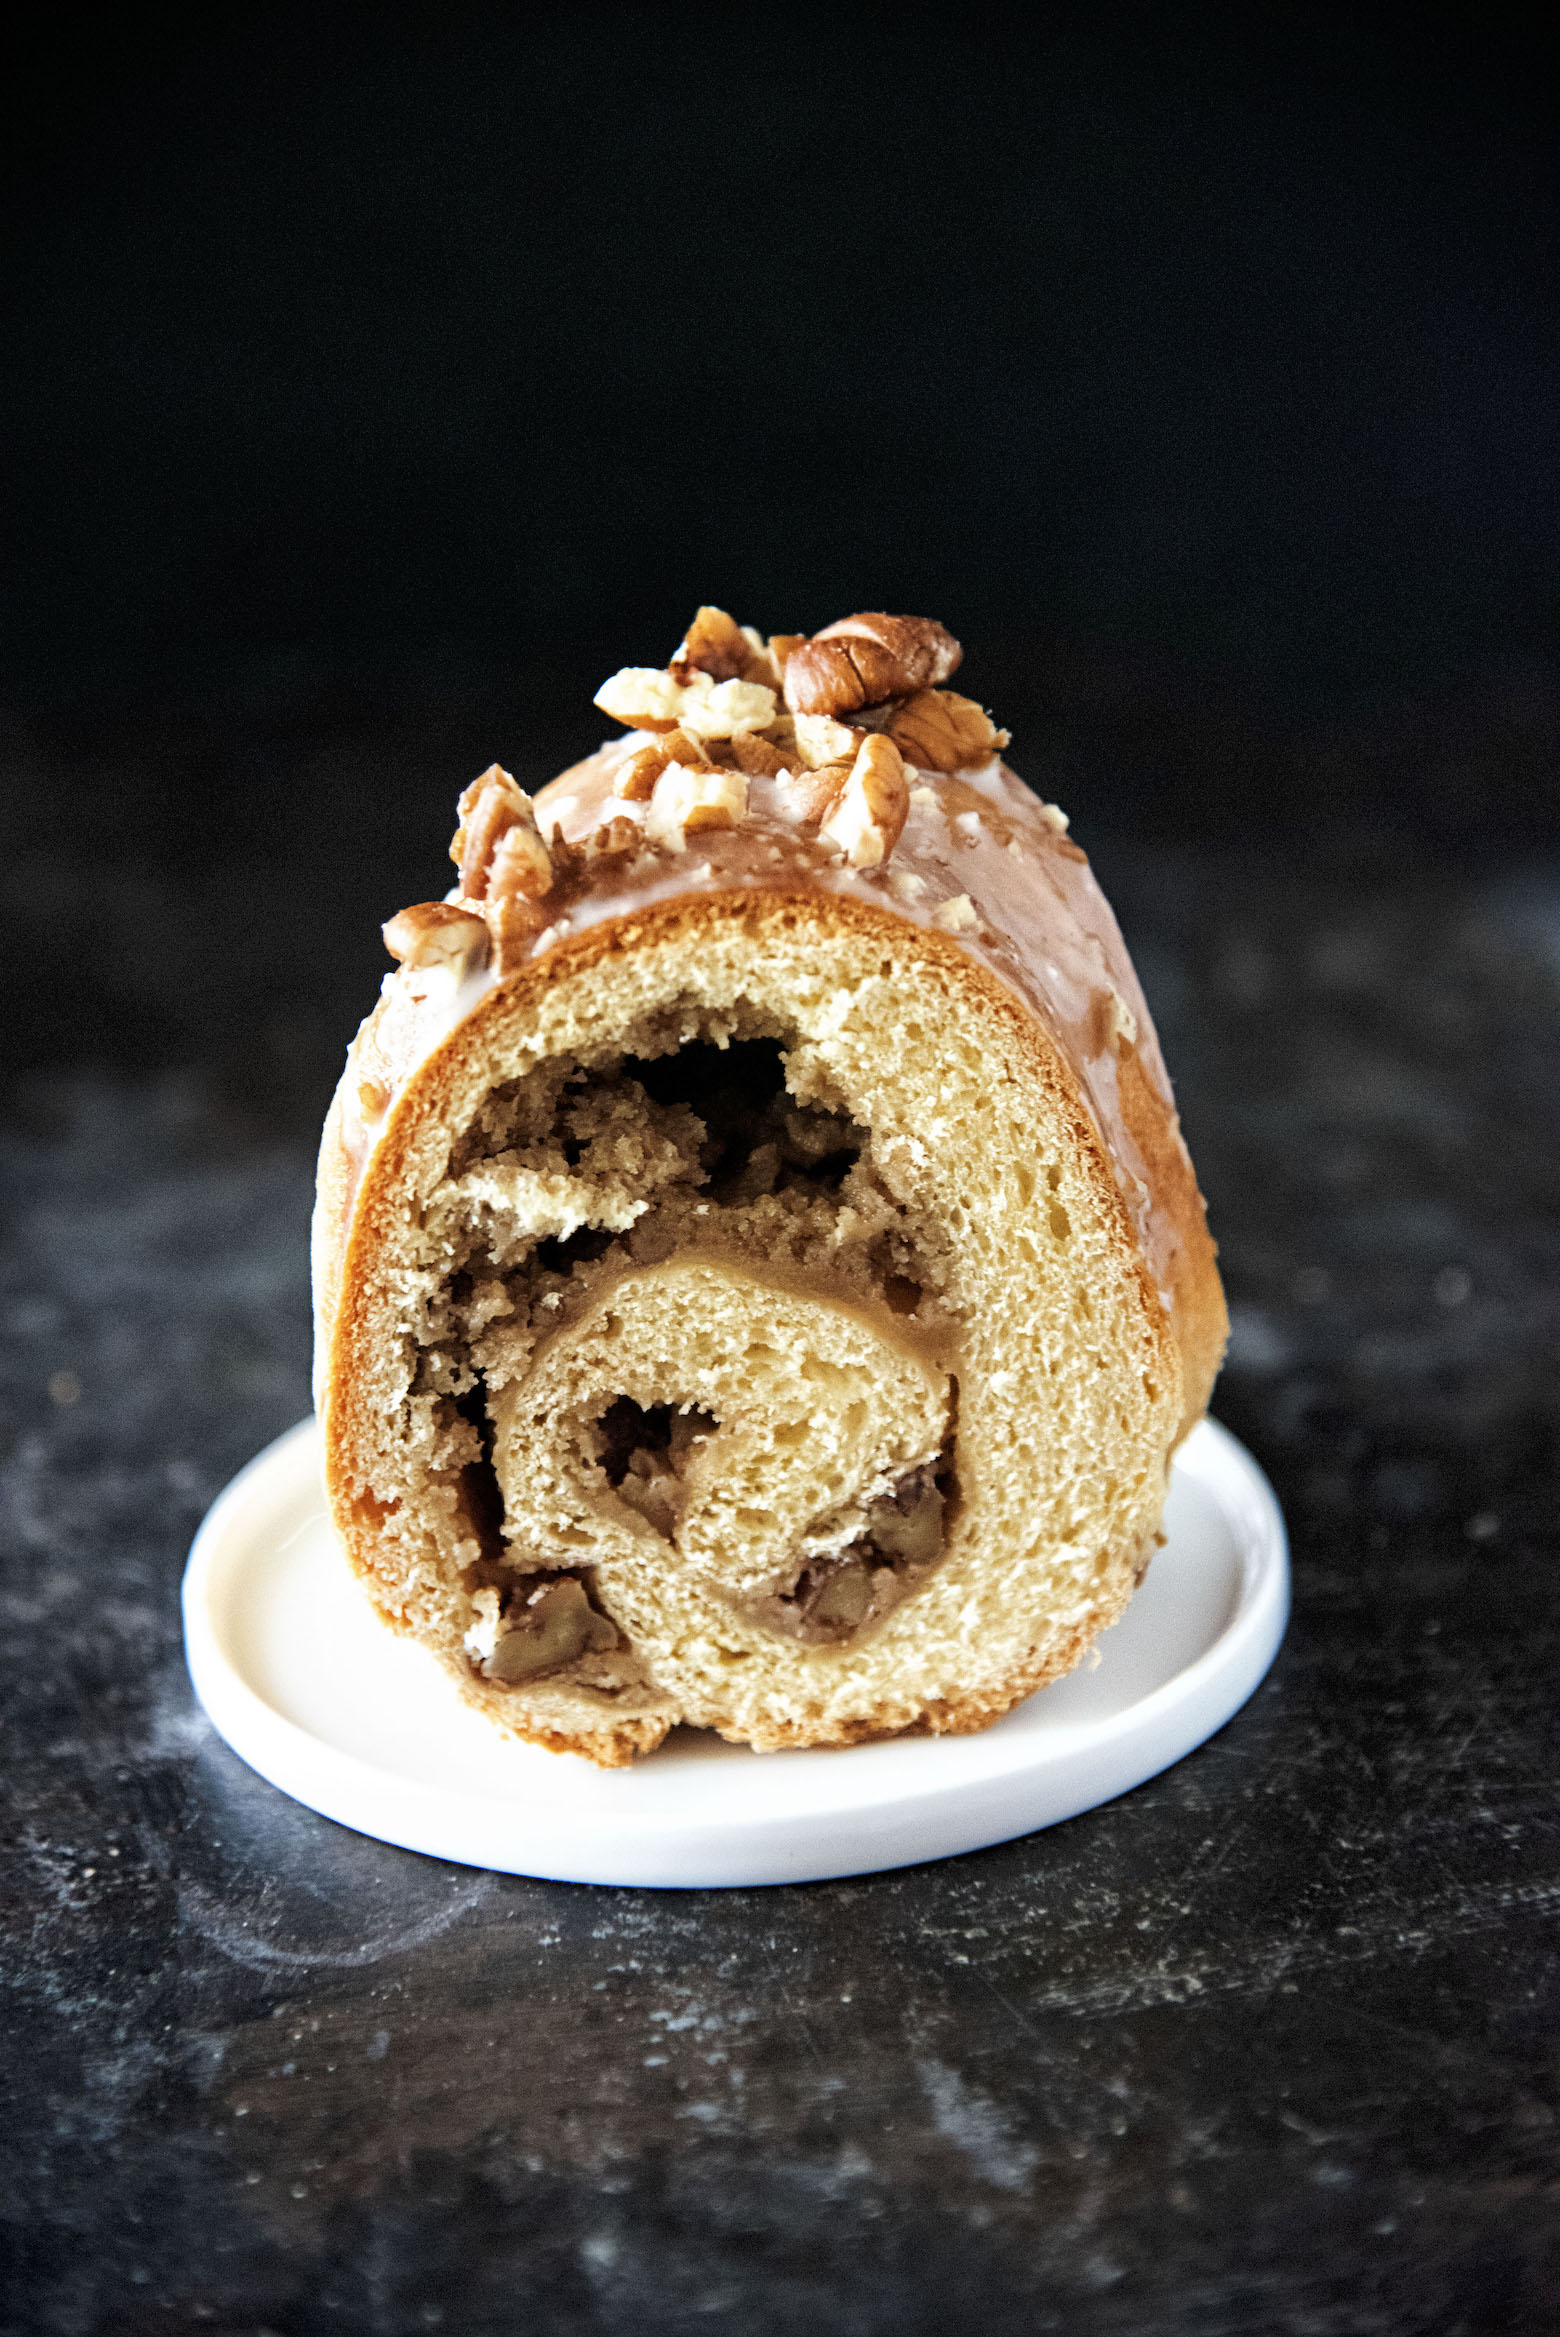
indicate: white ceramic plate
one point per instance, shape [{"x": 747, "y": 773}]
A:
[{"x": 307, "y": 1685}]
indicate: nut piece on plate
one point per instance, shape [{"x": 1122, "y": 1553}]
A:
[
  {"x": 686, "y": 801},
  {"x": 861, "y": 660},
  {"x": 868, "y": 820},
  {"x": 940, "y": 731},
  {"x": 436, "y": 933},
  {"x": 493, "y": 809},
  {"x": 647, "y": 698}
]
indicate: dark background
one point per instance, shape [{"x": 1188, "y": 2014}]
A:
[
  {"x": 1168, "y": 354},
  {"x": 373, "y": 384}
]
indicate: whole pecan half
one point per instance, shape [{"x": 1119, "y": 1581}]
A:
[
  {"x": 869, "y": 814},
  {"x": 861, "y": 660},
  {"x": 940, "y": 731}
]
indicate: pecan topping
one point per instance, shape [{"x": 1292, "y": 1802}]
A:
[
  {"x": 635, "y": 781},
  {"x": 940, "y": 731},
  {"x": 436, "y": 933},
  {"x": 811, "y": 795},
  {"x": 714, "y": 644},
  {"x": 492, "y": 811},
  {"x": 619, "y": 834},
  {"x": 647, "y": 698},
  {"x": 611, "y": 840},
  {"x": 686, "y": 801},
  {"x": 519, "y": 875},
  {"x": 757, "y": 758},
  {"x": 869, "y": 817},
  {"x": 821, "y": 740},
  {"x": 864, "y": 659}
]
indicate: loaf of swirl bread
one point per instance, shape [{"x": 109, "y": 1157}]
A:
[{"x": 760, "y": 1282}]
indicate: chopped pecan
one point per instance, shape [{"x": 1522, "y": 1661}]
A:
[
  {"x": 757, "y": 757},
  {"x": 546, "y": 1625},
  {"x": 811, "y": 795},
  {"x": 714, "y": 644},
  {"x": 519, "y": 876},
  {"x": 781, "y": 646},
  {"x": 762, "y": 665},
  {"x": 869, "y": 817},
  {"x": 686, "y": 801},
  {"x": 864, "y": 659},
  {"x": 820, "y": 740},
  {"x": 436, "y": 933},
  {"x": 957, "y": 915},
  {"x": 635, "y": 782},
  {"x": 619, "y": 834},
  {"x": 726, "y": 709},
  {"x": 646, "y": 698},
  {"x": 568, "y": 860},
  {"x": 492, "y": 810},
  {"x": 940, "y": 731}
]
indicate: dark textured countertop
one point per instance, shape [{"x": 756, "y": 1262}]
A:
[{"x": 1267, "y": 2045}]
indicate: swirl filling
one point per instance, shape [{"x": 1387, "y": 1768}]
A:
[{"x": 684, "y": 1324}]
